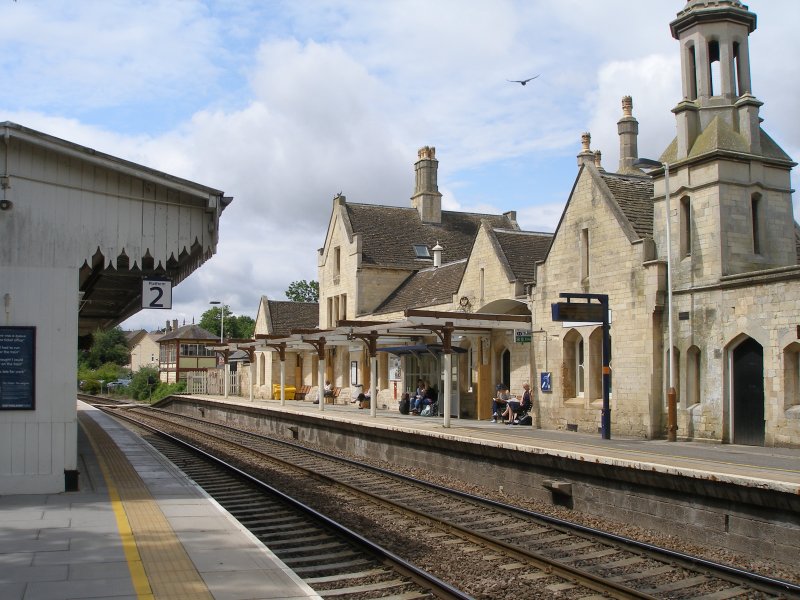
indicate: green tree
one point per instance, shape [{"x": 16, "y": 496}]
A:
[
  {"x": 210, "y": 320},
  {"x": 303, "y": 291},
  {"x": 108, "y": 347},
  {"x": 242, "y": 327},
  {"x": 238, "y": 327}
]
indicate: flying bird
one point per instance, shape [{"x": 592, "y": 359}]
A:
[{"x": 522, "y": 81}]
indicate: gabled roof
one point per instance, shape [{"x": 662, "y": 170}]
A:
[
  {"x": 522, "y": 250},
  {"x": 634, "y": 195},
  {"x": 283, "y": 316},
  {"x": 188, "y": 332},
  {"x": 133, "y": 337},
  {"x": 428, "y": 287},
  {"x": 388, "y": 234}
]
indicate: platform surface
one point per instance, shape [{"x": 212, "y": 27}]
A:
[
  {"x": 751, "y": 466},
  {"x": 137, "y": 529}
]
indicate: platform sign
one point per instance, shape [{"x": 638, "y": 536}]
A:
[
  {"x": 17, "y": 368},
  {"x": 522, "y": 336},
  {"x": 157, "y": 293}
]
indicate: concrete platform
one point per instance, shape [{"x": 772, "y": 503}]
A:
[
  {"x": 777, "y": 469},
  {"x": 743, "y": 498},
  {"x": 137, "y": 529}
]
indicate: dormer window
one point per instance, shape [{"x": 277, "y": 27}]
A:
[{"x": 421, "y": 251}]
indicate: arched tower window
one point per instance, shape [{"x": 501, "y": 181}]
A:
[
  {"x": 692, "y": 75},
  {"x": 714, "y": 67},
  {"x": 737, "y": 75}
]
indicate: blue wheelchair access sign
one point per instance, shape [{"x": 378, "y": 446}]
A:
[{"x": 546, "y": 381}]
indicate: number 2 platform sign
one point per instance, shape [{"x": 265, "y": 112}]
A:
[{"x": 157, "y": 293}]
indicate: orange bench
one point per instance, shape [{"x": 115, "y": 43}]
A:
[{"x": 300, "y": 393}]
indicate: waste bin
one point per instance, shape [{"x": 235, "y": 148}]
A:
[{"x": 289, "y": 389}]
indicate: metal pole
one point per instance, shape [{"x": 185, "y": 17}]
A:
[
  {"x": 283, "y": 382},
  {"x": 321, "y": 383},
  {"x": 252, "y": 375},
  {"x": 373, "y": 387},
  {"x": 605, "y": 418},
  {"x": 672, "y": 408},
  {"x": 448, "y": 379}
]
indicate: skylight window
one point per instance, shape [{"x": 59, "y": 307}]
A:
[{"x": 421, "y": 251}]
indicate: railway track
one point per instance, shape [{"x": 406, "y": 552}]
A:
[{"x": 491, "y": 549}]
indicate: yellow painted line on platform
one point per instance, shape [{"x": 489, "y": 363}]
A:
[{"x": 138, "y": 576}]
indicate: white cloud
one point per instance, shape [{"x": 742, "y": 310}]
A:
[{"x": 282, "y": 105}]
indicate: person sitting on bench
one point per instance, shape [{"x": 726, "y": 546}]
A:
[
  {"x": 516, "y": 407},
  {"x": 499, "y": 402}
]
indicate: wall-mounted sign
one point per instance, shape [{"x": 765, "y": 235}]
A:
[
  {"x": 17, "y": 368},
  {"x": 156, "y": 293},
  {"x": 546, "y": 381},
  {"x": 522, "y": 336}
]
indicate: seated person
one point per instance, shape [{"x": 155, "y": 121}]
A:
[
  {"x": 363, "y": 401},
  {"x": 428, "y": 399},
  {"x": 515, "y": 406},
  {"x": 422, "y": 392},
  {"x": 499, "y": 402},
  {"x": 405, "y": 404},
  {"x": 328, "y": 389}
]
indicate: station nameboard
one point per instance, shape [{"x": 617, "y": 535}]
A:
[
  {"x": 581, "y": 312},
  {"x": 17, "y": 368}
]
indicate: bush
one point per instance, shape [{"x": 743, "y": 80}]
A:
[
  {"x": 167, "y": 389},
  {"x": 91, "y": 386},
  {"x": 142, "y": 382}
]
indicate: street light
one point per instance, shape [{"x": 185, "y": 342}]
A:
[
  {"x": 221, "y": 319},
  {"x": 672, "y": 407}
]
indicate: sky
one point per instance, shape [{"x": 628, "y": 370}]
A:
[{"x": 284, "y": 104}]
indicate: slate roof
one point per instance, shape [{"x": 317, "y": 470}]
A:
[
  {"x": 428, "y": 287},
  {"x": 188, "y": 332},
  {"x": 634, "y": 195},
  {"x": 286, "y": 315},
  {"x": 522, "y": 250},
  {"x": 389, "y": 232}
]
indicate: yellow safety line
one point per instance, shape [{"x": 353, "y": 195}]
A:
[{"x": 138, "y": 576}]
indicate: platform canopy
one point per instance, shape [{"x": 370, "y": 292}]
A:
[
  {"x": 116, "y": 221},
  {"x": 403, "y": 334}
]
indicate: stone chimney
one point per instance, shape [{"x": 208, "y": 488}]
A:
[
  {"x": 174, "y": 324},
  {"x": 437, "y": 255},
  {"x": 166, "y": 326},
  {"x": 427, "y": 199},
  {"x": 598, "y": 160},
  {"x": 628, "y": 129},
  {"x": 586, "y": 156}
]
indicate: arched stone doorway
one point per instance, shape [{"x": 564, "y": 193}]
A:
[{"x": 747, "y": 397}]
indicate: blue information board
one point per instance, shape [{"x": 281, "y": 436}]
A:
[{"x": 17, "y": 368}]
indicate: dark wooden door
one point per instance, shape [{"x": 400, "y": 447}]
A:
[{"x": 748, "y": 394}]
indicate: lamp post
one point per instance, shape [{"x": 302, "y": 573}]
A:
[
  {"x": 221, "y": 319},
  {"x": 672, "y": 404}
]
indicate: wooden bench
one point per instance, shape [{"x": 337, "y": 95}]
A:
[
  {"x": 300, "y": 393},
  {"x": 332, "y": 398}
]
